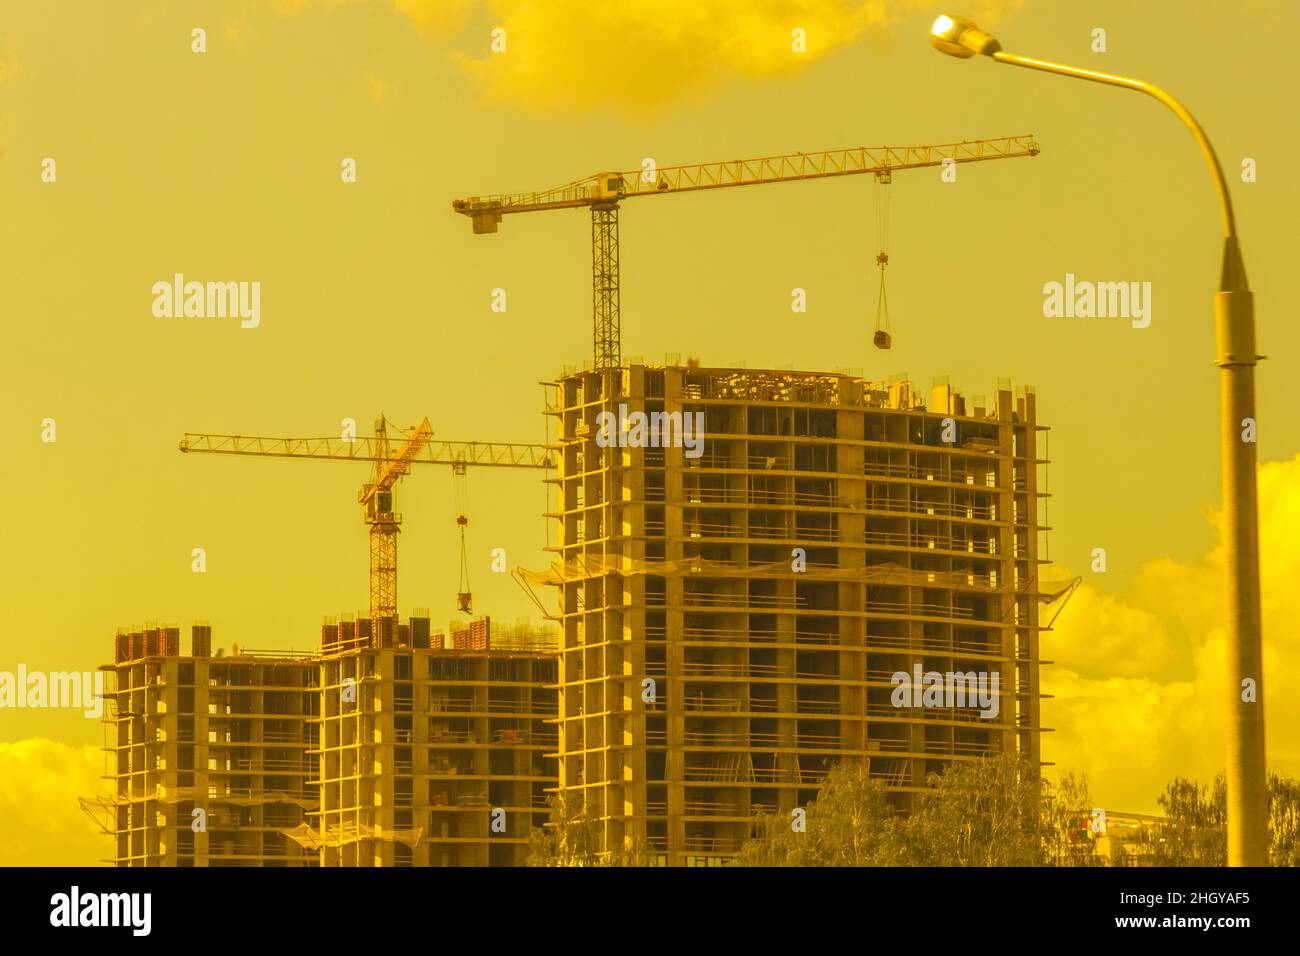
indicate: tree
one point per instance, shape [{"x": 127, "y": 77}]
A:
[
  {"x": 849, "y": 824},
  {"x": 572, "y": 838},
  {"x": 991, "y": 812},
  {"x": 987, "y": 812},
  {"x": 1067, "y": 819},
  {"x": 1284, "y": 820},
  {"x": 1195, "y": 829}
]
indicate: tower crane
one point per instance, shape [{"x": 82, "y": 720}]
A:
[
  {"x": 376, "y": 496},
  {"x": 603, "y": 192}
]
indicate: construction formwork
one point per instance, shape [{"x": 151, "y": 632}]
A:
[
  {"x": 433, "y": 755},
  {"x": 732, "y": 615},
  {"x": 207, "y": 756}
]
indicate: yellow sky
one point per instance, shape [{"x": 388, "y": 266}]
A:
[{"x": 225, "y": 165}]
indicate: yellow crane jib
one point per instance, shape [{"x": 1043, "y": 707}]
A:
[
  {"x": 603, "y": 192},
  {"x": 376, "y": 496}
]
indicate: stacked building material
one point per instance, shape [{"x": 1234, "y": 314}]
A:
[
  {"x": 480, "y": 634},
  {"x": 476, "y": 637}
]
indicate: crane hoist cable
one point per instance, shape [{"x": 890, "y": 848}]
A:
[
  {"x": 882, "y": 339},
  {"x": 460, "y": 482}
]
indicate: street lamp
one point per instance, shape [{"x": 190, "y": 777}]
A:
[{"x": 1234, "y": 315}]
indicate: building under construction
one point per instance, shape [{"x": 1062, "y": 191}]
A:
[
  {"x": 733, "y": 615},
  {"x": 747, "y": 561},
  {"x": 434, "y": 750},
  {"x": 208, "y": 756},
  {"x": 391, "y": 746}
]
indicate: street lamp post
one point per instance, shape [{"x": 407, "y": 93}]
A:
[{"x": 1234, "y": 314}]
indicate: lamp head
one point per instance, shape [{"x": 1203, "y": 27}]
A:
[{"x": 960, "y": 37}]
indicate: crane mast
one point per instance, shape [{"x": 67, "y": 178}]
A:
[{"x": 377, "y": 498}]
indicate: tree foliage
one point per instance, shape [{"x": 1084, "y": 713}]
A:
[
  {"x": 1284, "y": 820},
  {"x": 1195, "y": 829},
  {"x": 849, "y": 824},
  {"x": 980, "y": 813},
  {"x": 572, "y": 838},
  {"x": 996, "y": 811},
  {"x": 1067, "y": 814},
  {"x": 993, "y": 812}
]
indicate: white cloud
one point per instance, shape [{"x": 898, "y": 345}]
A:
[
  {"x": 41, "y": 823},
  {"x": 1140, "y": 687}
]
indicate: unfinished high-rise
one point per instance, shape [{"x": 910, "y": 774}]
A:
[
  {"x": 733, "y": 614},
  {"x": 207, "y": 756},
  {"x": 434, "y": 751},
  {"x": 389, "y": 746}
]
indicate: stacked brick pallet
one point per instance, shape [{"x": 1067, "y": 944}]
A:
[
  {"x": 151, "y": 642},
  {"x": 477, "y": 637}
]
